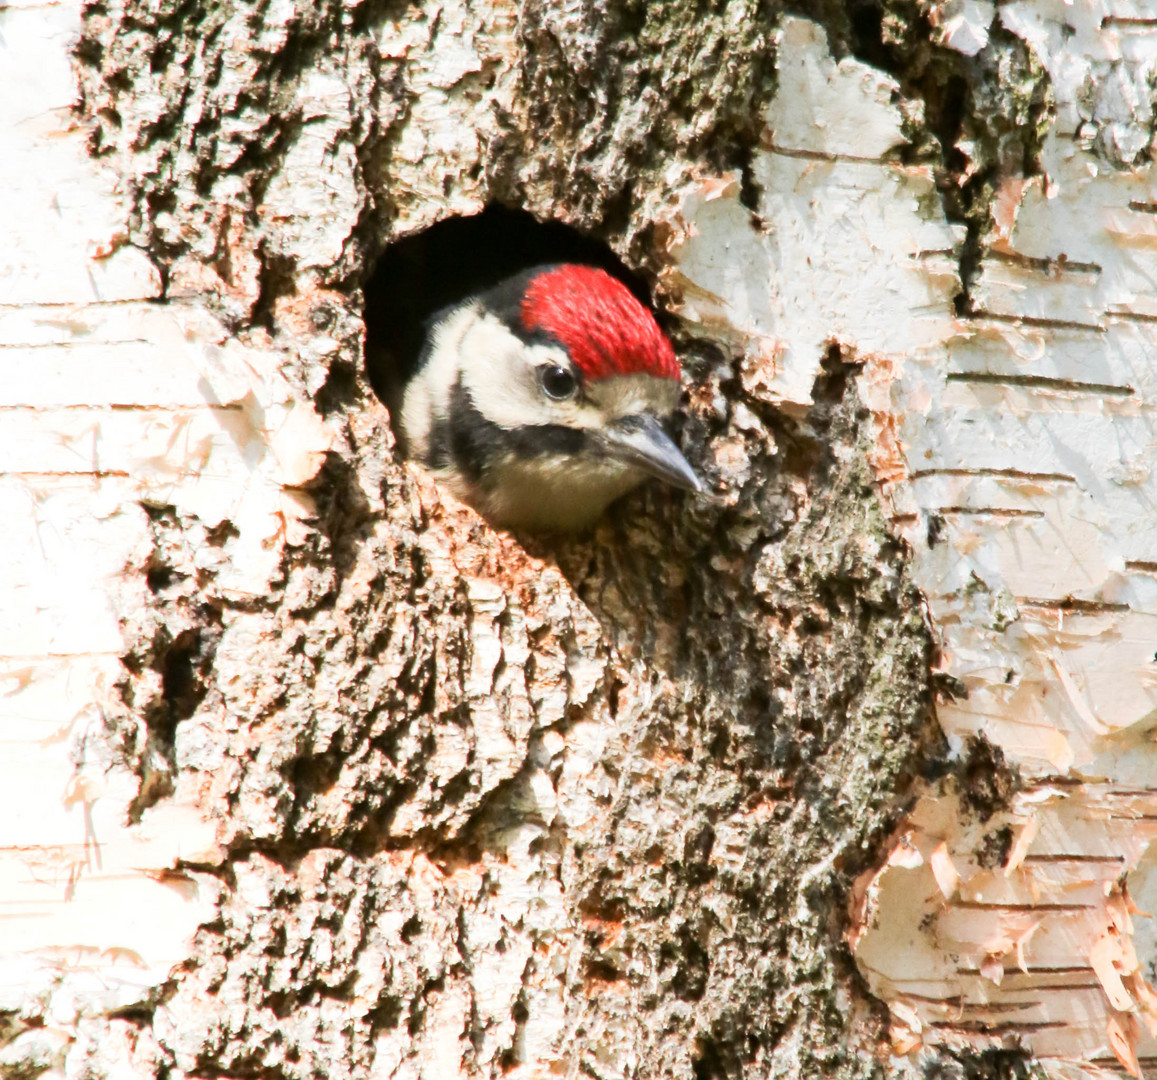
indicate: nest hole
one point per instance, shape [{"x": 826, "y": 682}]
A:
[{"x": 420, "y": 275}]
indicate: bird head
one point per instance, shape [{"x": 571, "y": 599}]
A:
[{"x": 541, "y": 400}]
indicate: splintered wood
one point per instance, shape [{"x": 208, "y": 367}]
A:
[{"x": 1017, "y": 448}]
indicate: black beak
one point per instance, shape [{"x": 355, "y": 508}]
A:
[{"x": 642, "y": 442}]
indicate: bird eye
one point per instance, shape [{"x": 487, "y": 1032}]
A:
[{"x": 557, "y": 382}]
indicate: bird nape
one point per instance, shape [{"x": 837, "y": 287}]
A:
[{"x": 541, "y": 400}]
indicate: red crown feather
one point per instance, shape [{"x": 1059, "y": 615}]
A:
[{"x": 603, "y": 327}]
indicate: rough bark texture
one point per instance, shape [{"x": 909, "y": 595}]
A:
[{"x": 398, "y": 795}]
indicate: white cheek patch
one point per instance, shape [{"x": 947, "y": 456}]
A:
[
  {"x": 428, "y": 394},
  {"x": 501, "y": 376}
]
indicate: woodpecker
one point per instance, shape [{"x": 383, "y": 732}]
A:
[{"x": 541, "y": 400}]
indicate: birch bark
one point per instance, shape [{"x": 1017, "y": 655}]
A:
[{"x": 307, "y": 771}]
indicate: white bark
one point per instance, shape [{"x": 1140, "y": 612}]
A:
[{"x": 1017, "y": 448}]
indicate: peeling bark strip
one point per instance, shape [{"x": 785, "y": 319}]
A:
[
  {"x": 308, "y": 772},
  {"x": 1045, "y": 614}
]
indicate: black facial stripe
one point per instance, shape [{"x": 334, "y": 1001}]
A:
[
  {"x": 472, "y": 439},
  {"x": 542, "y": 439},
  {"x": 475, "y": 443}
]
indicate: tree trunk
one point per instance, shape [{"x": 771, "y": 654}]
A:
[{"x": 847, "y": 772}]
